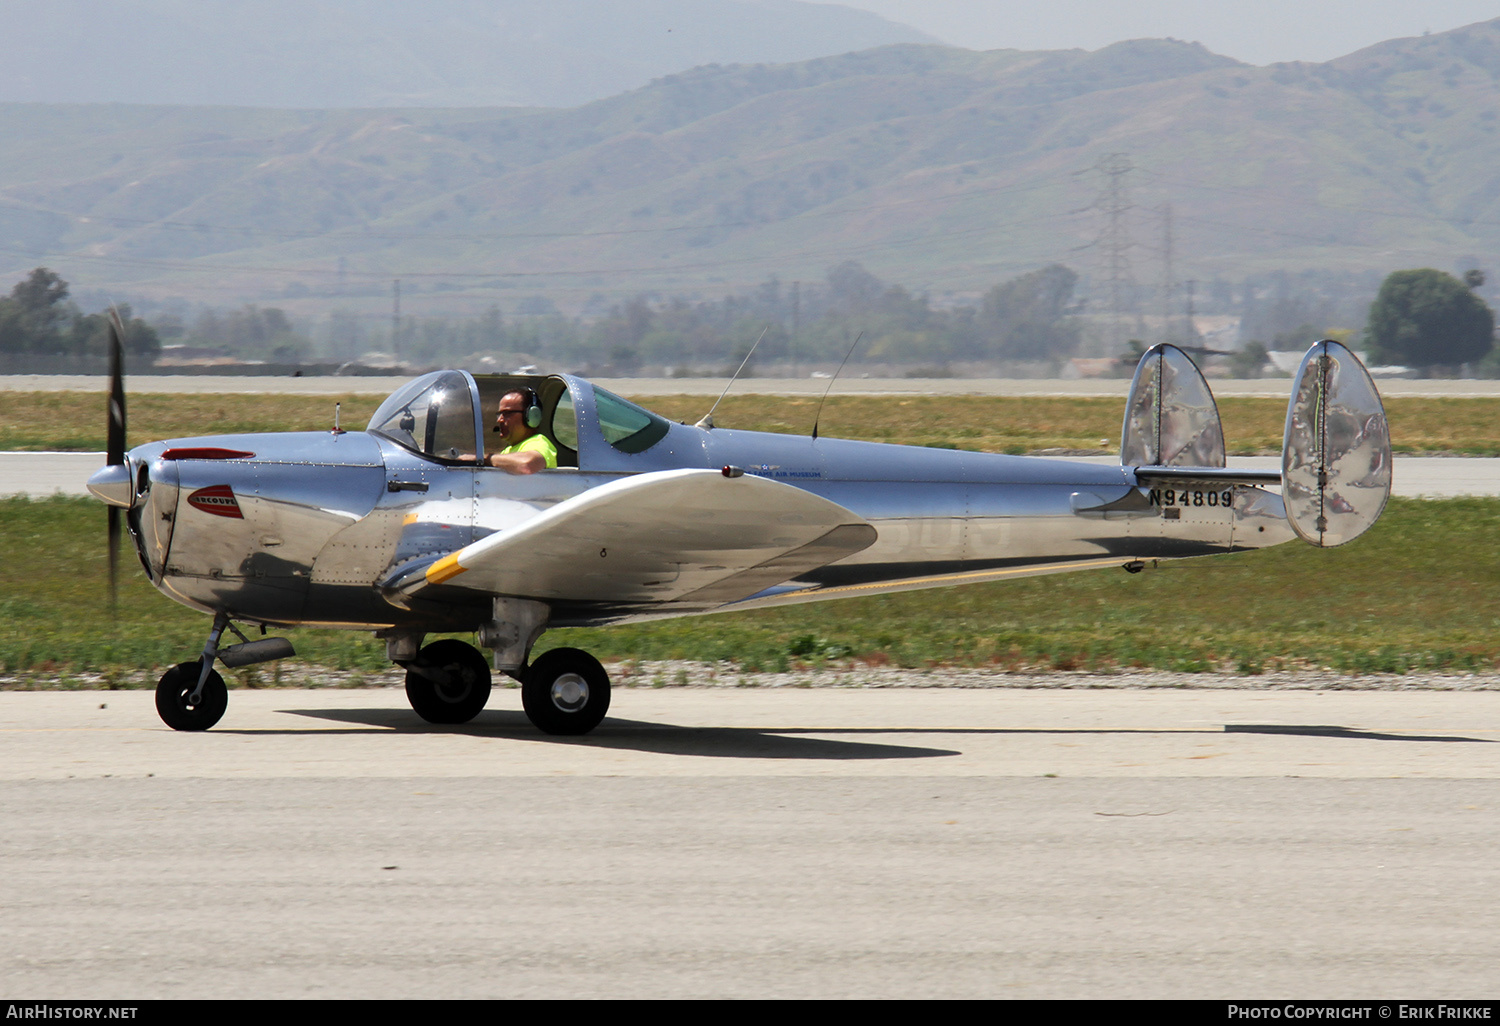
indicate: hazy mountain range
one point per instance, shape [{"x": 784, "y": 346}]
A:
[
  {"x": 941, "y": 168},
  {"x": 317, "y": 54}
]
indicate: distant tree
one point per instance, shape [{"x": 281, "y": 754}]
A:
[
  {"x": 40, "y": 292},
  {"x": 89, "y": 333},
  {"x": 1425, "y": 318},
  {"x": 1026, "y": 318},
  {"x": 33, "y": 316},
  {"x": 853, "y": 288},
  {"x": 38, "y": 317},
  {"x": 1247, "y": 363},
  {"x": 251, "y": 331}
]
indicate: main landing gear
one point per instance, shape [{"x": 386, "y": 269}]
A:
[
  {"x": 448, "y": 682},
  {"x": 565, "y": 691}
]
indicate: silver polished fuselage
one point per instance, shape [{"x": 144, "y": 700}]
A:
[{"x": 304, "y": 528}]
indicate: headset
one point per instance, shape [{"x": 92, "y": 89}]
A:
[{"x": 531, "y": 414}]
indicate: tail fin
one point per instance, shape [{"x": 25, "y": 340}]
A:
[
  {"x": 1336, "y": 456},
  {"x": 1171, "y": 419}
]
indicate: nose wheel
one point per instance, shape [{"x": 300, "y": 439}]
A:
[
  {"x": 565, "y": 691},
  {"x": 174, "y": 697}
]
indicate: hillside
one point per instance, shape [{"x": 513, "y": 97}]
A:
[
  {"x": 318, "y": 54},
  {"x": 942, "y": 168}
]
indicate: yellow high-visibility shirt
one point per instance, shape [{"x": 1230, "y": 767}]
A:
[{"x": 536, "y": 443}]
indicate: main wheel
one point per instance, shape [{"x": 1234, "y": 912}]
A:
[
  {"x": 172, "y": 698},
  {"x": 565, "y": 691},
  {"x": 467, "y": 689}
]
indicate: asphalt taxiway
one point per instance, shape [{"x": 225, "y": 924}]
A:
[{"x": 757, "y": 843}]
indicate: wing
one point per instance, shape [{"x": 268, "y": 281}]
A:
[{"x": 693, "y": 539}]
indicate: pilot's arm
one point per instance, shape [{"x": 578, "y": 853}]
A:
[
  {"x": 527, "y": 461},
  {"x": 534, "y": 454}
]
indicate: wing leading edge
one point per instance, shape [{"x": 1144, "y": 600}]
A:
[{"x": 692, "y": 539}]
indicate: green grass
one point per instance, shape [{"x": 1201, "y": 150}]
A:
[
  {"x": 1416, "y": 593},
  {"x": 75, "y": 421}
]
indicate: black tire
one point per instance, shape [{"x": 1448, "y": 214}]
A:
[
  {"x": 565, "y": 691},
  {"x": 458, "y": 701},
  {"x": 172, "y": 693}
]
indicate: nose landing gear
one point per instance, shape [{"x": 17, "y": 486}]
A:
[
  {"x": 184, "y": 702},
  {"x": 192, "y": 696}
]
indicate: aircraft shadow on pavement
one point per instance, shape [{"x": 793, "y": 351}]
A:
[
  {"x": 1311, "y": 730},
  {"x": 636, "y": 735},
  {"x": 770, "y": 743}
]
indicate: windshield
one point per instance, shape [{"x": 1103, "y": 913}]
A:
[
  {"x": 434, "y": 415},
  {"x": 625, "y": 425}
]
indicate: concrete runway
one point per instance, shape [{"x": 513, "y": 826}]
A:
[
  {"x": 43, "y": 474},
  {"x": 757, "y": 843}
]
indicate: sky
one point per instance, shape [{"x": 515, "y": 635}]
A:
[{"x": 1254, "y": 31}]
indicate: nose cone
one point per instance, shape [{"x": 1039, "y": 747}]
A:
[{"x": 113, "y": 485}]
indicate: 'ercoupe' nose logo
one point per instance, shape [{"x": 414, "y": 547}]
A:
[{"x": 218, "y": 500}]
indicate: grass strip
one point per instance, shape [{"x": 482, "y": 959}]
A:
[{"x": 74, "y": 421}]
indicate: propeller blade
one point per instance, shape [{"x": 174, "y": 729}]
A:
[
  {"x": 115, "y": 445},
  {"x": 114, "y": 555},
  {"x": 115, "y": 440}
]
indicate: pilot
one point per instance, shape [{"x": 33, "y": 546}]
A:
[{"x": 526, "y": 449}]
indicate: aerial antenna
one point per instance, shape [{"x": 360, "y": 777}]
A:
[
  {"x": 708, "y": 418},
  {"x": 819, "y": 415}
]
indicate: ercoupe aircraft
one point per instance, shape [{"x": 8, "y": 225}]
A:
[{"x": 404, "y": 530}]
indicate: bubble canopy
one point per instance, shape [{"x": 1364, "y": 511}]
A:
[{"x": 432, "y": 415}]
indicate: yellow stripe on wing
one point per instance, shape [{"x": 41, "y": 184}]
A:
[{"x": 444, "y": 568}]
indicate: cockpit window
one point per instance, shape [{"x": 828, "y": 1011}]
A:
[
  {"x": 433, "y": 415},
  {"x": 625, "y": 425},
  {"x": 565, "y": 421}
]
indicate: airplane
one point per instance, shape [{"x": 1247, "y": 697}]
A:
[{"x": 403, "y": 530}]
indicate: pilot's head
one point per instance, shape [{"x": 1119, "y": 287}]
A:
[{"x": 510, "y": 420}]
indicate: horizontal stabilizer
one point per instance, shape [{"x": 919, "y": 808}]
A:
[
  {"x": 1209, "y": 475},
  {"x": 678, "y": 536},
  {"x": 1336, "y": 458}
]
